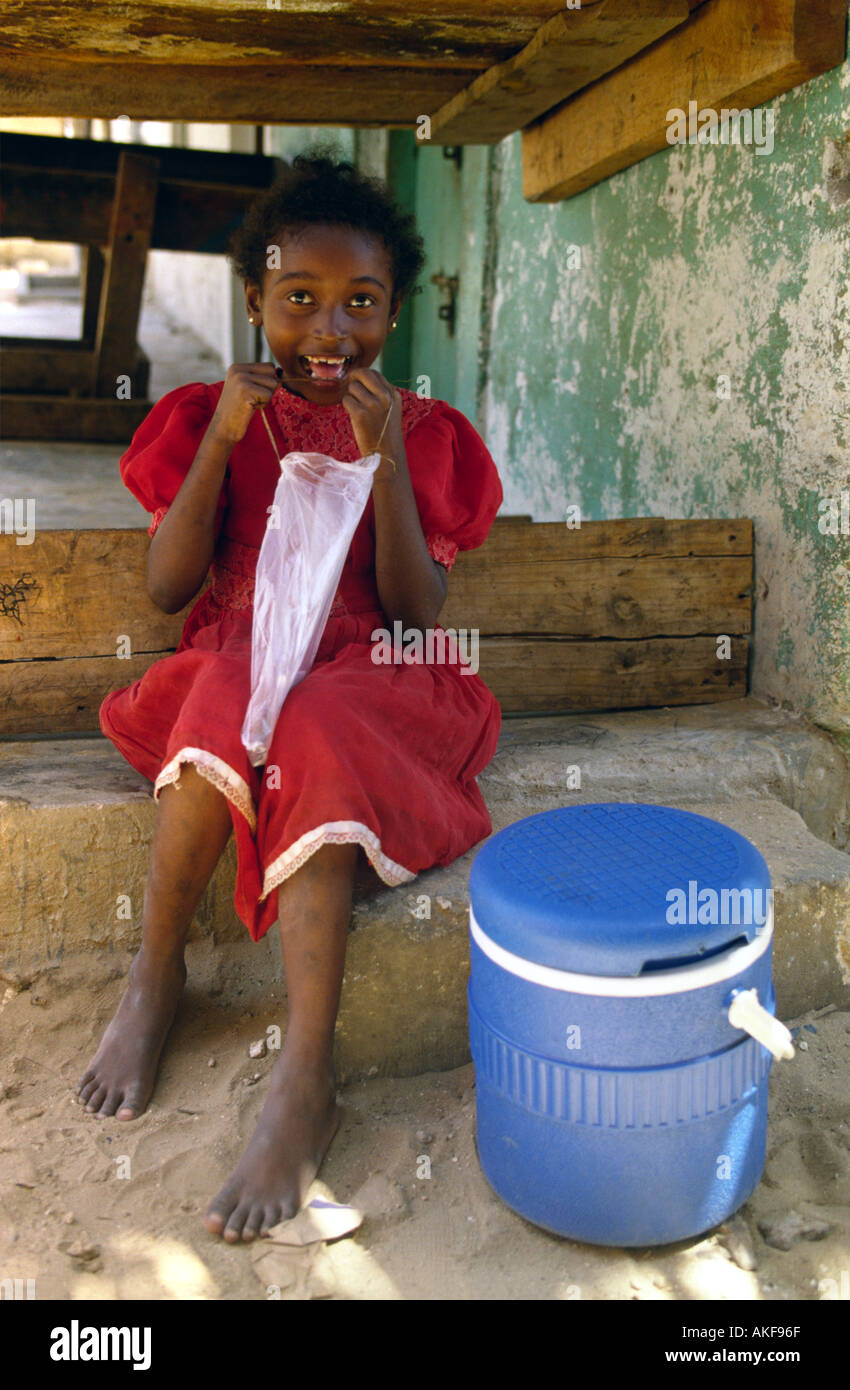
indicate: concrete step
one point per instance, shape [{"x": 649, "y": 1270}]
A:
[{"x": 76, "y": 825}]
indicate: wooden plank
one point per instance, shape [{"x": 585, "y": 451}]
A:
[
  {"x": 45, "y": 697},
  {"x": 76, "y": 593},
  {"x": 526, "y": 676},
  {"x": 230, "y": 32},
  {"x": 56, "y": 154},
  {"x": 266, "y": 94},
  {"x": 573, "y": 49},
  {"x": 547, "y": 542},
  {"x": 95, "y": 268},
  {"x": 68, "y": 601},
  {"x": 49, "y": 367},
  {"x": 735, "y": 54},
  {"x": 202, "y": 194},
  {"x": 535, "y": 676},
  {"x": 72, "y": 608},
  {"x": 272, "y": 63},
  {"x": 648, "y": 597},
  {"x": 123, "y": 281},
  {"x": 86, "y": 419},
  {"x": 80, "y": 204}
]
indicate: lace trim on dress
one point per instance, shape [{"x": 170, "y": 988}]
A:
[
  {"x": 330, "y": 427},
  {"x": 339, "y": 832},
  {"x": 442, "y": 549},
  {"x": 229, "y": 590},
  {"x": 234, "y": 787}
]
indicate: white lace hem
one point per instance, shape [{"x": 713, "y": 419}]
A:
[
  {"x": 338, "y": 832},
  {"x": 234, "y": 787}
]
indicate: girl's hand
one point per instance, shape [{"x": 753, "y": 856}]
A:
[
  {"x": 368, "y": 401},
  {"x": 247, "y": 385}
]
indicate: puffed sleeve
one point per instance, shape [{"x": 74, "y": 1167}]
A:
[
  {"x": 163, "y": 450},
  {"x": 458, "y": 490}
]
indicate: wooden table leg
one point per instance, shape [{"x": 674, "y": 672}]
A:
[{"x": 126, "y": 256}]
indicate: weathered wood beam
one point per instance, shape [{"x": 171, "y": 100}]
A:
[
  {"x": 51, "y": 697},
  {"x": 42, "y": 365},
  {"x": 56, "y": 154},
  {"x": 126, "y": 257},
  {"x": 573, "y": 49},
  {"x": 80, "y": 204},
  {"x": 95, "y": 266},
  {"x": 518, "y": 539},
  {"x": 76, "y": 593},
  {"x": 601, "y": 597},
  {"x": 86, "y": 419},
  {"x": 258, "y": 94},
  {"x": 202, "y": 195},
  {"x": 527, "y": 676},
  {"x": 230, "y": 32},
  {"x": 535, "y": 676},
  {"x": 732, "y": 53},
  {"x": 75, "y": 620},
  {"x": 628, "y": 579}
]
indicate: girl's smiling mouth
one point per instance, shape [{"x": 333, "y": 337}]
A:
[{"x": 325, "y": 367}]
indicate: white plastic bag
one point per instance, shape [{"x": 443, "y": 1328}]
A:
[{"x": 317, "y": 505}]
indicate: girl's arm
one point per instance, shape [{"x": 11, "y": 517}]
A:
[
  {"x": 182, "y": 547},
  {"x": 411, "y": 585}
]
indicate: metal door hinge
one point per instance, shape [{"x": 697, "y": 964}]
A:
[{"x": 448, "y": 283}]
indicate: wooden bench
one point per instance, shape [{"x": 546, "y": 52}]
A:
[{"x": 612, "y": 615}]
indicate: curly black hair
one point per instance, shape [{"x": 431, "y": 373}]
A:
[{"x": 319, "y": 188}]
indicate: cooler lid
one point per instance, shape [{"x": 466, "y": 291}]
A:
[{"x": 619, "y": 888}]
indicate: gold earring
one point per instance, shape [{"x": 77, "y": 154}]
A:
[
  {"x": 253, "y": 321},
  {"x": 394, "y": 325}
]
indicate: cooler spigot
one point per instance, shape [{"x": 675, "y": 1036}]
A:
[{"x": 747, "y": 1013}]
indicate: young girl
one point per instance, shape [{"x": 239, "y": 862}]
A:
[{"x": 368, "y": 761}]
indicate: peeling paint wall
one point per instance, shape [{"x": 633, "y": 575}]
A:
[{"x": 603, "y": 381}]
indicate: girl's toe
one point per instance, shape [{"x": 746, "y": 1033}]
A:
[
  {"x": 96, "y": 1099},
  {"x": 214, "y": 1221},
  {"x": 110, "y": 1105},
  {"x": 87, "y": 1090},
  {"x": 133, "y": 1103},
  {"x": 251, "y": 1229},
  {"x": 233, "y": 1230}
]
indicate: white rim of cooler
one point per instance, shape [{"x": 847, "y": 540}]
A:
[{"x": 697, "y": 976}]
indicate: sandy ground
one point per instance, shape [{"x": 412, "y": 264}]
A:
[{"x": 95, "y": 1209}]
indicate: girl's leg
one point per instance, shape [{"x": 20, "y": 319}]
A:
[
  {"x": 299, "y": 1118},
  {"x": 192, "y": 828}
]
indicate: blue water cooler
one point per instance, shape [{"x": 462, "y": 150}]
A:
[{"x": 621, "y": 1018}]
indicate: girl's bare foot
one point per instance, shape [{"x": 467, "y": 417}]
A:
[
  {"x": 120, "y": 1079},
  {"x": 295, "y": 1128}
]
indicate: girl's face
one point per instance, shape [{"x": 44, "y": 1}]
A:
[{"x": 332, "y": 296}]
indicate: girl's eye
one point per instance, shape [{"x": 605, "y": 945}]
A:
[{"x": 368, "y": 297}]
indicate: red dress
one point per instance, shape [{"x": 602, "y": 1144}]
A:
[{"x": 382, "y": 755}]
